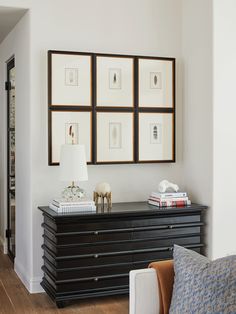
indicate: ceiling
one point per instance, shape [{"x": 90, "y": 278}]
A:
[{"x": 9, "y": 17}]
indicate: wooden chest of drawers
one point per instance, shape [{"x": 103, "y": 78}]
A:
[{"x": 90, "y": 255}]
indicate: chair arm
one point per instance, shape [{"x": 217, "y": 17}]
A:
[{"x": 144, "y": 296}]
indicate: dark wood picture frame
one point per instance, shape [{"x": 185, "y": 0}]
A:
[
  {"x": 132, "y": 137},
  {"x": 94, "y": 109},
  {"x": 51, "y": 53},
  {"x": 132, "y": 75},
  {"x": 172, "y": 144},
  {"x": 162, "y": 59},
  {"x": 50, "y": 143}
]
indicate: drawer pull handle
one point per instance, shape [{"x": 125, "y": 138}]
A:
[
  {"x": 171, "y": 249},
  {"x": 170, "y": 227},
  {"x": 96, "y": 256},
  {"x": 96, "y": 232},
  {"x": 96, "y": 279}
]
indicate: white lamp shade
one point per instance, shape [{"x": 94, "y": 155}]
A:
[{"x": 73, "y": 166}]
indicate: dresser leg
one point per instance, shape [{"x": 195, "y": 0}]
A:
[{"x": 60, "y": 304}]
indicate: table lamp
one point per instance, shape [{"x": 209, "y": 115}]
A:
[{"x": 73, "y": 168}]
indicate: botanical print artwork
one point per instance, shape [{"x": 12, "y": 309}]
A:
[
  {"x": 115, "y": 78},
  {"x": 71, "y": 133},
  {"x": 114, "y": 81},
  {"x": 155, "y": 80},
  {"x": 114, "y": 135},
  {"x": 71, "y": 77},
  {"x": 155, "y": 133},
  {"x": 69, "y": 127}
]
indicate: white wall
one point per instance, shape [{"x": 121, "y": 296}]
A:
[
  {"x": 16, "y": 3},
  {"x": 224, "y": 63},
  {"x": 151, "y": 27},
  {"x": 197, "y": 104},
  {"x": 17, "y": 44},
  {"x": 148, "y": 27}
]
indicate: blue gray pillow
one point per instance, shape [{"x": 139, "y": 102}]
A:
[{"x": 202, "y": 286}]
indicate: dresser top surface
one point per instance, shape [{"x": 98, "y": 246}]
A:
[{"x": 126, "y": 209}]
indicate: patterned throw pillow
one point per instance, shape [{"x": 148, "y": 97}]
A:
[{"x": 202, "y": 286}]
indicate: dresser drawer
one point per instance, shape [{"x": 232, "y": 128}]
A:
[
  {"x": 87, "y": 271},
  {"x": 167, "y": 220},
  {"x": 90, "y": 284},
  {"x": 148, "y": 256},
  {"x": 87, "y": 260},
  {"x": 166, "y": 230},
  {"x": 93, "y": 236},
  {"x": 92, "y": 248},
  {"x": 78, "y": 225},
  {"x": 166, "y": 242}
]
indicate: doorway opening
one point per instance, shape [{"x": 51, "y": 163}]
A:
[{"x": 11, "y": 204}]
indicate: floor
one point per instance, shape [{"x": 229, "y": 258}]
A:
[{"x": 14, "y": 298}]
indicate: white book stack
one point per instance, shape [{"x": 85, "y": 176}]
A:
[{"x": 80, "y": 206}]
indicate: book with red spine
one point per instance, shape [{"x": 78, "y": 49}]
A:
[{"x": 169, "y": 203}]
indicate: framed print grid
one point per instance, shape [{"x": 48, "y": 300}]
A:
[
  {"x": 122, "y": 107},
  {"x": 69, "y": 127},
  {"x": 70, "y": 79}
]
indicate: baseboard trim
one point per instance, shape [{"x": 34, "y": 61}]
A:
[
  {"x": 35, "y": 286},
  {"x": 31, "y": 284},
  {"x": 21, "y": 273},
  {"x": 3, "y": 243}
]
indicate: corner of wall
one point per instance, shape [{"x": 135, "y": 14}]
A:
[{"x": 31, "y": 284}]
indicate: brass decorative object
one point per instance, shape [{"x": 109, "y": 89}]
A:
[{"x": 102, "y": 194}]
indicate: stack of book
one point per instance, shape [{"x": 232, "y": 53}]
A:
[
  {"x": 169, "y": 199},
  {"x": 80, "y": 206}
]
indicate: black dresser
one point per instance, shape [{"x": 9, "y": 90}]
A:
[{"x": 90, "y": 255}]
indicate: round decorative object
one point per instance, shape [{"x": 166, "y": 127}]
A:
[{"x": 102, "y": 188}]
